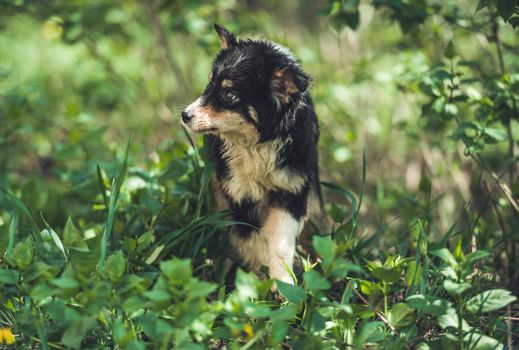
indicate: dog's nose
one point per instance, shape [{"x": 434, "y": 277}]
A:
[{"x": 186, "y": 117}]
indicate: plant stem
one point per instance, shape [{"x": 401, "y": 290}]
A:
[
  {"x": 460, "y": 323},
  {"x": 385, "y": 284}
]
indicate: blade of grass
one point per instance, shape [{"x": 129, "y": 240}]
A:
[
  {"x": 205, "y": 181},
  {"x": 54, "y": 237},
  {"x": 344, "y": 192},
  {"x": 363, "y": 187},
  {"x": 13, "y": 226},
  {"x": 102, "y": 186},
  {"x": 112, "y": 205},
  {"x": 19, "y": 204},
  {"x": 421, "y": 239}
]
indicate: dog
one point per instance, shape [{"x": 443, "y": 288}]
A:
[{"x": 260, "y": 123}]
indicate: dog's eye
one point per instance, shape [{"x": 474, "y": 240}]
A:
[{"x": 230, "y": 97}]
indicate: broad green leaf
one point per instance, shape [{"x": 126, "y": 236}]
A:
[
  {"x": 446, "y": 256},
  {"x": 314, "y": 281},
  {"x": 370, "y": 288},
  {"x": 474, "y": 257},
  {"x": 370, "y": 332},
  {"x": 388, "y": 274},
  {"x": 495, "y": 134},
  {"x": 115, "y": 266},
  {"x": 9, "y": 277},
  {"x": 455, "y": 288},
  {"x": 429, "y": 304},
  {"x": 23, "y": 253},
  {"x": 71, "y": 234},
  {"x": 450, "y": 320},
  {"x": 246, "y": 285},
  {"x": 401, "y": 315},
  {"x": 340, "y": 268},
  {"x": 477, "y": 341},
  {"x": 318, "y": 321},
  {"x": 42, "y": 291},
  {"x": 490, "y": 300},
  {"x": 293, "y": 293},
  {"x": 76, "y": 332},
  {"x": 448, "y": 272},
  {"x": 200, "y": 289},
  {"x": 121, "y": 334},
  {"x": 325, "y": 247},
  {"x": 177, "y": 271}
]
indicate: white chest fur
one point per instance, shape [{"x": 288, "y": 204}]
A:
[{"x": 253, "y": 171}]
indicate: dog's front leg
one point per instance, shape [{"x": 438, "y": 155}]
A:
[{"x": 280, "y": 232}]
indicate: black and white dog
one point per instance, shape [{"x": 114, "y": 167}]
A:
[{"x": 263, "y": 132}]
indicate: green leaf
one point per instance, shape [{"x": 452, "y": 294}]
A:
[
  {"x": 325, "y": 247},
  {"x": 446, "y": 256},
  {"x": 450, "y": 52},
  {"x": 429, "y": 304},
  {"x": 401, "y": 315},
  {"x": 318, "y": 321},
  {"x": 294, "y": 294},
  {"x": 477, "y": 341},
  {"x": 369, "y": 332},
  {"x": 23, "y": 253},
  {"x": 495, "y": 134},
  {"x": 246, "y": 285},
  {"x": 115, "y": 266},
  {"x": 121, "y": 335},
  {"x": 76, "y": 332},
  {"x": 341, "y": 268},
  {"x": 454, "y": 288},
  {"x": 200, "y": 289},
  {"x": 9, "y": 277},
  {"x": 490, "y": 300},
  {"x": 385, "y": 273},
  {"x": 314, "y": 281},
  {"x": 178, "y": 272},
  {"x": 450, "y": 320},
  {"x": 71, "y": 234},
  {"x": 473, "y": 257},
  {"x": 370, "y": 288}
]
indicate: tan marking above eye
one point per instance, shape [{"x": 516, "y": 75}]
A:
[
  {"x": 210, "y": 77},
  {"x": 226, "y": 83}
]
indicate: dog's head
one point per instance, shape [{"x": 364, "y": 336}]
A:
[{"x": 253, "y": 92}]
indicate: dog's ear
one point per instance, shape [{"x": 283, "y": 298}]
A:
[
  {"x": 227, "y": 39},
  {"x": 288, "y": 81}
]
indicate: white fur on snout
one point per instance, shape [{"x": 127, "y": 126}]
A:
[{"x": 201, "y": 118}]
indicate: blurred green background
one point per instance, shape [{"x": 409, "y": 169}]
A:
[
  {"x": 424, "y": 88},
  {"x": 417, "y": 102}
]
